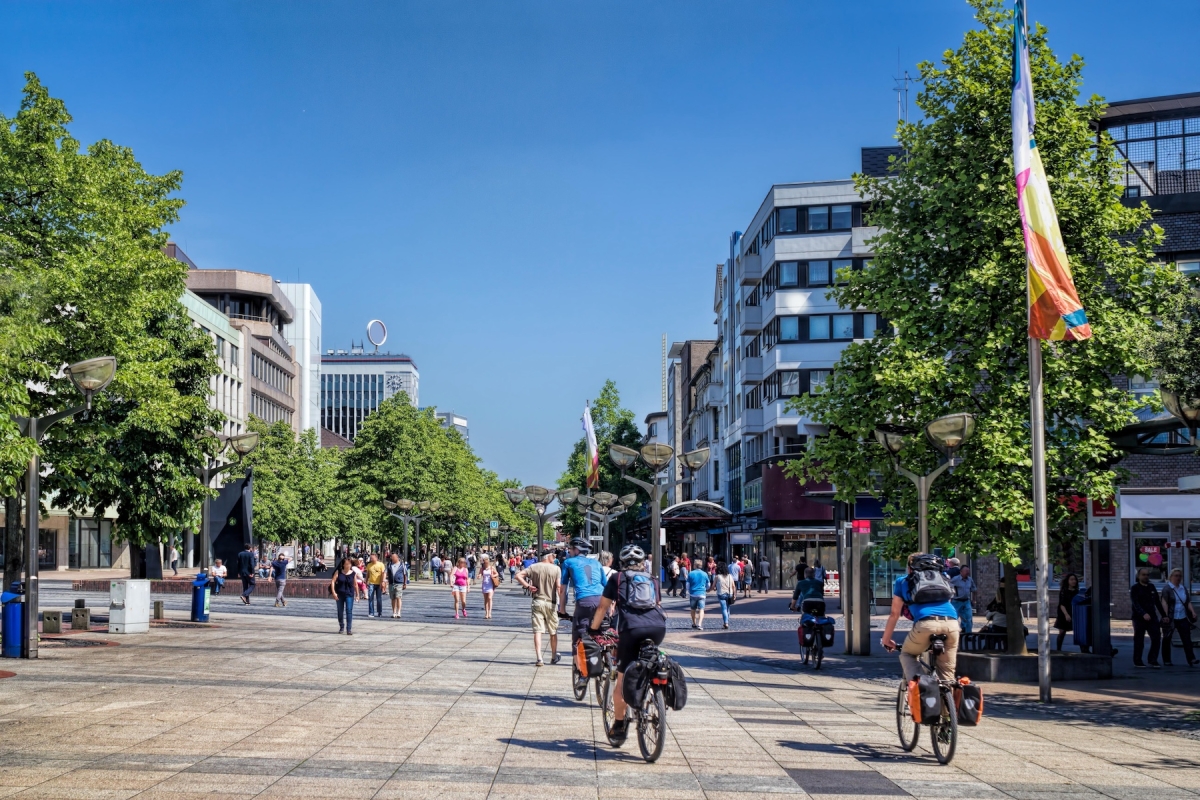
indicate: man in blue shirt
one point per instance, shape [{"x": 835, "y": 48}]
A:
[
  {"x": 929, "y": 619},
  {"x": 697, "y": 584},
  {"x": 587, "y": 576}
]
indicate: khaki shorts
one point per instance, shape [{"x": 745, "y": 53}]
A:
[
  {"x": 545, "y": 617},
  {"x": 395, "y": 591}
]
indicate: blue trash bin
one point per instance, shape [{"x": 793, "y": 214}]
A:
[
  {"x": 200, "y": 598},
  {"x": 1081, "y": 619},
  {"x": 12, "y": 636}
]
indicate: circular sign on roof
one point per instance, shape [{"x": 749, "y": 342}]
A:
[{"x": 371, "y": 328}]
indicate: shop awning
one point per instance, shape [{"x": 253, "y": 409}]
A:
[
  {"x": 1160, "y": 506},
  {"x": 1184, "y": 543}
]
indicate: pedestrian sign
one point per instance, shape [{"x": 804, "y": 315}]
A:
[
  {"x": 494, "y": 524},
  {"x": 1104, "y": 518}
]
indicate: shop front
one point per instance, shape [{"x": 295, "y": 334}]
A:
[{"x": 802, "y": 547}]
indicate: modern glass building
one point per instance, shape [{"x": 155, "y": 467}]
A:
[{"x": 354, "y": 383}]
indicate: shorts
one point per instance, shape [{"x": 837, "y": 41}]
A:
[
  {"x": 458, "y": 589},
  {"x": 630, "y": 643},
  {"x": 696, "y": 603},
  {"x": 545, "y": 616},
  {"x": 395, "y": 591}
]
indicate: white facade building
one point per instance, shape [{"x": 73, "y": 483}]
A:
[
  {"x": 355, "y": 383},
  {"x": 304, "y": 334},
  {"x": 458, "y": 422},
  {"x": 227, "y": 391}
]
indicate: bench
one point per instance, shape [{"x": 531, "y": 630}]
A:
[{"x": 983, "y": 642}]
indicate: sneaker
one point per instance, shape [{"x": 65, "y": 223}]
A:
[
  {"x": 726, "y": 626},
  {"x": 349, "y": 633},
  {"x": 1140, "y": 666},
  {"x": 277, "y": 604},
  {"x": 1155, "y": 665},
  {"x": 464, "y": 613},
  {"x": 557, "y": 658},
  {"x": 540, "y": 663},
  {"x": 341, "y": 630},
  {"x": 620, "y": 730},
  {"x": 456, "y": 615}
]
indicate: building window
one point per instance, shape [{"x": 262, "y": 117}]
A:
[
  {"x": 818, "y": 327},
  {"x": 1160, "y": 157},
  {"x": 1148, "y": 538},
  {"x": 843, "y": 326},
  {"x": 841, "y": 269},
  {"x": 789, "y": 274},
  {"x": 841, "y": 218},
  {"x": 818, "y": 218},
  {"x": 870, "y": 324},
  {"x": 89, "y": 544},
  {"x": 788, "y": 220},
  {"x": 789, "y": 329},
  {"x": 752, "y": 495},
  {"x": 1142, "y": 388},
  {"x": 817, "y": 378},
  {"x": 818, "y": 273},
  {"x": 789, "y": 383},
  {"x": 1190, "y": 267},
  {"x": 652, "y": 429}
]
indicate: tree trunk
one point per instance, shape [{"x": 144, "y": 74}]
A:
[
  {"x": 1012, "y": 610},
  {"x": 14, "y": 543}
]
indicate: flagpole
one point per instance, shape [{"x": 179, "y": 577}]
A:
[{"x": 1037, "y": 424}]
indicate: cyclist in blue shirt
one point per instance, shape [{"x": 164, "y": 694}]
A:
[
  {"x": 587, "y": 576},
  {"x": 929, "y": 619}
]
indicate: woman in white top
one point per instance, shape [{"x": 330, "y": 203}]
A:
[
  {"x": 489, "y": 579},
  {"x": 725, "y": 587},
  {"x": 1179, "y": 617}
]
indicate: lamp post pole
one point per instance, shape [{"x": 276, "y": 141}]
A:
[{"x": 89, "y": 377}]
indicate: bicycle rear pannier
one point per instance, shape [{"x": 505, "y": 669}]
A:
[
  {"x": 589, "y": 657},
  {"x": 675, "y": 692},
  {"x": 925, "y": 699},
  {"x": 827, "y": 634},
  {"x": 968, "y": 698},
  {"x": 807, "y": 633},
  {"x": 636, "y": 683}
]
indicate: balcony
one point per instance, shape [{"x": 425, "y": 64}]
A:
[
  {"x": 859, "y": 239},
  {"x": 752, "y": 421},
  {"x": 751, "y": 319},
  {"x": 752, "y": 370},
  {"x": 751, "y": 269},
  {"x": 714, "y": 395}
]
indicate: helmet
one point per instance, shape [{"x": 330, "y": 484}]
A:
[
  {"x": 581, "y": 544},
  {"x": 632, "y": 554}
]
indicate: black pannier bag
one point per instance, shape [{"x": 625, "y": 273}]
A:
[{"x": 675, "y": 692}]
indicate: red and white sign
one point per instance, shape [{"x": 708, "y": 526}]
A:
[{"x": 1104, "y": 518}]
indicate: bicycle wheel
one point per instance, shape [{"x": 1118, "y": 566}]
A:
[
  {"x": 818, "y": 654},
  {"x": 578, "y": 681},
  {"x": 652, "y": 726},
  {"x": 608, "y": 712},
  {"x": 909, "y": 731},
  {"x": 945, "y": 732}
]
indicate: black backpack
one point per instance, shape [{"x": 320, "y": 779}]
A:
[
  {"x": 927, "y": 583},
  {"x": 635, "y": 591}
]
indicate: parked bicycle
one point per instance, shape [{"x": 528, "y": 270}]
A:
[
  {"x": 650, "y": 716},
  {"x": 937, "y": 712}
]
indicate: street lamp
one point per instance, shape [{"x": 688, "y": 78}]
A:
[
  {"x": 947, "y": 434},
  {"x": 656, "y": 456},
  {"x": 541, "y": 497},
  {"x": 599, "y": 512},
  {"x": 404, "y": 506},
  {"x": 241, "y": 444},
  {"x": 1185, "y": 409},
  {"x": 89, "y": 377}
]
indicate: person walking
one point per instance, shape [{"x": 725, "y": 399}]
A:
[
  {"x": 735, "y": 572},
  {"x": 1146, "y": 606},
  {"x": 1068, "y": 588},
  {"x": 489, "y": 579},
  {"x": 1180, "y": 614},
  {"x": 726, "y": 588},
  {"x": 397, "y": 582},
  {"x": 279, "y": 568},
  {"x": 697, "y": 588},
  {"x": 764, "y": 574},
  {"x": 512, "y": 567},
  {"x": 360, "y": 582},
  {"x": 460, "y": 581},
  {"x": 435, "y": 566},
  {"x": 964, "y": 586},
  {"x": 541, "y": 581},
  {"x": 818, "y": 571},
  {"x": 174, "y": 558},
  {"x": 747, "y": 576},
  {"x": 247, "y": 562},
  {"x": 447, "y": 568},
  {"x": 672, "y": 576},
  {"x": 344, "y": 587},
  {"x": 374, "y": 575}
]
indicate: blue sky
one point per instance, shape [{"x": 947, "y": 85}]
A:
[{"x": 529, "y": 194}]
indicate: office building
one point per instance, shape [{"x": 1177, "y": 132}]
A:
[
  {"x": 458, "y": 422},
  {"x": 684, "y": 360},
  {"x": 354, "y": 383},
  {"x": 228, "y": 388},
  {"x": 304, "y": 334}
]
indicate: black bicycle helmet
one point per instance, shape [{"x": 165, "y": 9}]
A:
[
  {"x": 632, "y": 554},
  {"x": 581, "y": 544}
]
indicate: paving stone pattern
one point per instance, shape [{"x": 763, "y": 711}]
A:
[{"x": 278, "y": 705}]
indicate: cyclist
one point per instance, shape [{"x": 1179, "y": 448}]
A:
[
  {"x": 807, "y": 589},
  {"x": 640, "y": 618},
  {"x": 587, "y": 576},
  {"x": 931, "y": 618}
]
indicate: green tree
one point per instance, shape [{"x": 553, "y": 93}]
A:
[
  {"x": 614, "y": 424},
  {"x": 280, "y": 476},
  {"x": 949, "y": 275},
  {"x": 83, "y": 273},
  {"x": 1174, "y": 346}
]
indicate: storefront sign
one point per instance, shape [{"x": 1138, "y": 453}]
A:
[
  {"x": 1104, "y": 518},
  {"x": 741, "y": 538}
]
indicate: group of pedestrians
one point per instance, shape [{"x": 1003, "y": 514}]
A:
[
  {"x": 347, "y": 581},
  {"x": 1161, "y": 615}
]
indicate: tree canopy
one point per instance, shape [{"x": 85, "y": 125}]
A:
[
  {"x": 948, "y": 276},
  {"x": 83, "y": 274}
]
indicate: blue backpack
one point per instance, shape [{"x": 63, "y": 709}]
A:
[{"x": 635, "y": 591}]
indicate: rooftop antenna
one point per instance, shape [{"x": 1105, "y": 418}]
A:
[{"x": 902, "y": 82}]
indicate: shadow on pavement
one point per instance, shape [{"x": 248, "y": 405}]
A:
[{"x": 551, "y": 701}]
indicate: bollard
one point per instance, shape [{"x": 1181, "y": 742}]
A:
[
  {"x": 158, "y": 609},
  {"x": 51, "y": 622},
  {"x": 81, "y": 619},
  {"x": 80, "y": 602}
]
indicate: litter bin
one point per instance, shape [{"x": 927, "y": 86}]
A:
[
  {"x": 200, "y": 598},
  {"x": 12, "y": 637},
  {"x": 1081, "y": 619}
]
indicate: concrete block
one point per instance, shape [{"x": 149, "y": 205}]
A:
[
  {"x": 158, "y": 610},
  {"x": 51, "y": 622},
  {"x": 81, "y": 619},
  {"x": 1002, "y": 668}
]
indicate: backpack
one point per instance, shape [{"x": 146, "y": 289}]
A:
[
  {"x": 635, "y": 591},
  {"x": 927, "y": 583}
]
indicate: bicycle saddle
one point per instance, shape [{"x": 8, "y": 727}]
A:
[{"x": 937, "y": 643}]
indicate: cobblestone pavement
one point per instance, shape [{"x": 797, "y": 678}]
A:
[{"x": 278, "y": 705}]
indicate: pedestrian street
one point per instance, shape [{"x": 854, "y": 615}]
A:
[{"x": 270, "y": 704}]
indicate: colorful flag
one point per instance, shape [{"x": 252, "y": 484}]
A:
[
  {"x": 1054, "y": 309},
  {"x": 593, "y": 451}
]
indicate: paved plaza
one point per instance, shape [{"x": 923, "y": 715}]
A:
[{"x": 273, "y": 704}]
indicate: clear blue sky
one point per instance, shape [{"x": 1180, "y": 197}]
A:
[{"x": 529, "y": 194}]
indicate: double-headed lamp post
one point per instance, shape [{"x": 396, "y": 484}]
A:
[
  {"x": 89, "y": 377},
  {"x": 403, "y": 506},
  {"x": 604, "y": 508},
  {"x": 241, "y": 444},
  {"x": 541, "y": 497},
  {"x": 947, "y": 434},
  {"x": 656, "y": 456}
]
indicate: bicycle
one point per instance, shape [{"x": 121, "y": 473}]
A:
[
  {"x": 651, "y": 717},
  {"x": 943, "y": 730},
  {"x": 814, "y": 616}
]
